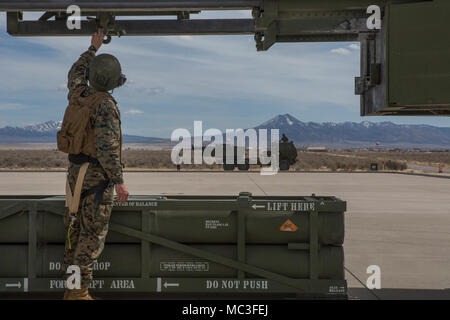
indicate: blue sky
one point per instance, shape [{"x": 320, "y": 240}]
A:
[{"x": 175, "y": 80}]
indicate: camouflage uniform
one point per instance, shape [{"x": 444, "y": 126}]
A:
[{"x": 86, "y": 230}]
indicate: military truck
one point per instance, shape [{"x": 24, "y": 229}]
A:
[
  {"x": 238, "y": 150},
  {"x": 287, "y": 155}
]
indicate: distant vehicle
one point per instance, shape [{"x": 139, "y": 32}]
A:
[
  {"x": 237, "y": 151},
  {"x": 287, "y": 155}
]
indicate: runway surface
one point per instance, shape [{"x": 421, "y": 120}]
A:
[
  {"x": 400, "y": 223},
  {"x": 427, "y": 169}
]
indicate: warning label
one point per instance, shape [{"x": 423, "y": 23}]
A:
[
  {"x": 290, "y": 206},
  {"x": 215, "y": 224},
  {"x": 136, "y": 204},
  {"x": 336, "y": 290},
  {"x": 184, "y": 266},
  {"x": 288, "y": 226}
]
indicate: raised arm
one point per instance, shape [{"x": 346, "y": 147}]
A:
[{"x": 76, "y": 76}]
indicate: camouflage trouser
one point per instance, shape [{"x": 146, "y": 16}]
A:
[{"x": 87, "y": 229}]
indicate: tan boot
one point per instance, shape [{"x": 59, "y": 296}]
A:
[{"x": 78, "y": 294}]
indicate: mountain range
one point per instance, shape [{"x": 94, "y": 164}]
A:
[
  {"x": 362, "y": 134},
  {"x": 46, "y": 133},
  {"x": 327, "y": 134}
]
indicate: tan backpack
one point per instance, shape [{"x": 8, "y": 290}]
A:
[{"x": 77, "y": 132}]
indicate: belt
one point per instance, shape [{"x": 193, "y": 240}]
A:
[
  {"x": 82, "y": 158},
  {"x": 73, "y": 198}
]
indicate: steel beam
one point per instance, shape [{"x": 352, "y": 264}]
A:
[
  {"x": 140, "y": 27},
  {"x": 306, "y": 31},
  {"x": 134, "y": 5},
  {"x": 320, "y": 37},
  {"x": 156, "y": 5}
]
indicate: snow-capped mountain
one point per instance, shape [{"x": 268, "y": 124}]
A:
[
  {"x": 49, "y": 127},
  {"x": 353, "y": 134},
  {"x": 328, "y": 134},
  {"x": 46, "y": 133},
  {"x": 41, "y": 131}
]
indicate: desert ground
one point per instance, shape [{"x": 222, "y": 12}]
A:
[{"x": 136, "y": 157}]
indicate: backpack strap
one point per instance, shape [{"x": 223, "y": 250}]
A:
[{"x": 73, "y": 199}]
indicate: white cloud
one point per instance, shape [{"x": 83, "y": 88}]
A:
[
  {"x": 341, "y": 51},
  {"x": 210, "y": 67},
  {"x": 62, "y": 86},
  {"x": 220, "y": 66},
  {"x": 134, "y": 111},
  {"x": 150, "y": 91},
  {"x": 354, "y": 46}
]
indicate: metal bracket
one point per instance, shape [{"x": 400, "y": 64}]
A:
[
  {"x": 183, "y": 15},
  {"x": 266, "y": 24},
  {"x": 12, "y": 21},
  {"x": 32, "y": 239},
  {"x": 243, "y": 204},
  {"x": 107, "y": 22},
  {"x": 145, "y": 245},
  {"x": 371, "y": 67}
]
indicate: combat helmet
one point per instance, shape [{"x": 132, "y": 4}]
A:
[{"x": 105, "y": 73}]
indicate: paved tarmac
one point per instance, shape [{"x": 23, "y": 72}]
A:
[
  {"x": 399, "y": 222},
  {"x": 427, "y": 169}
]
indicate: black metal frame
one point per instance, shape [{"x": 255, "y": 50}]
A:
[
  {"x": 130, "y": 5},
  {"x": 135, "y": 27},
  {"x": 269, "y": 23}
]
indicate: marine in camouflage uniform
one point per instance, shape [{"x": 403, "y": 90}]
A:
[{"x": 86, "y": 230}]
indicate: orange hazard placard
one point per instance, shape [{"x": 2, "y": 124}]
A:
[{"x": 288, "y": 226}]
